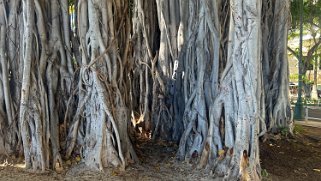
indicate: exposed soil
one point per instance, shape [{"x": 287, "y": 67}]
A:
[{"x": 297, "y": 158}]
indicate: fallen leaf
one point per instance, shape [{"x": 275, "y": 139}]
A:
[
  {"x": 114, "y": 173},
  {"x": 78, "y": 158},
  {"x": 221, "y": 152},
  {"x": 317, "y": 170}
]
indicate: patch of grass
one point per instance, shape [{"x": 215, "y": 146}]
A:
[
  {"x": 264, "y": 173},
  {"x": 298, "y": 129},
  {"x": 284, "y": 131}
]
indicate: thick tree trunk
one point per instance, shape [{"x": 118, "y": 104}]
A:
[
  {"x": 46, "y": 72},
  {"x": 190, "y": 73},
  {"x": 233, "y": 102},
  {"x": 9, "y": 129},
  {"x": 275, "y": 64},
  {"x": 29, "y": 117},
  {"x": 103, "y": 90}
]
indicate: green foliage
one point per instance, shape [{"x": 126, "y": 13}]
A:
[
  {"x": 74, "y": 61},
  {"x": 306, "y": 80},
  {"x": 284, "y": 131},
  {"x": 293, "y": 34},
  {"x": 310, "y": 102},
  {"x": 297, "y": 129},
  {"x": 311, "y": 13},
  {"x": 295, "y": 78},
  {"x": 71, "y": 2},
  {"x": 311, "y": 23},
  {"x": 264, "y": 173}
]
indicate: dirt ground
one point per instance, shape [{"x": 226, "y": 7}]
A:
[
  {"x": 297, "y": 158},
  {"x": 294, "y": 159}
]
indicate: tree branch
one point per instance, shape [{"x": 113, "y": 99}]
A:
[{"x": 293, "y": 53}]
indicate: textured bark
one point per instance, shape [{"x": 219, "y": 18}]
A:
[
  {"x": 206, "y": 74},
  {"x": 200, "y": 81},
  {"x": 164, "y": 103},
  {"x": 30, "y": 123},
  {"x": 9, "y": 128},
  {"x": 33, "y": 83},
  {"x": 4, "y": 78},
  {"x": 144, "y": 80},
  {"x": 246, "y": 72},
  {"x": 104, "y": 92},
  {"x": 223, "y": 97},
  {"x": 275, "y": 20}
]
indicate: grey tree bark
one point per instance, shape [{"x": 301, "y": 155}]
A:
[
  {"x": 33, "y": 81},
  {"x": 10, "y": 136},
  {"x": 144, "y": 76},
  {"x": 222, "y": 109},
  {"x": 209, "y": 75},
  {"x": 103, "y": 88},
  {"x": 275, "y": 22}
]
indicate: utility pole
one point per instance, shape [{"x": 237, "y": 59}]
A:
[{"x": 299, "y": 111}]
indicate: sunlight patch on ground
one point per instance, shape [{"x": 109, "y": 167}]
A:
[{"x": 7, "y": 164}]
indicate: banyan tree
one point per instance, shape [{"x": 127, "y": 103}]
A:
[{"x": 209, "y": 75}]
